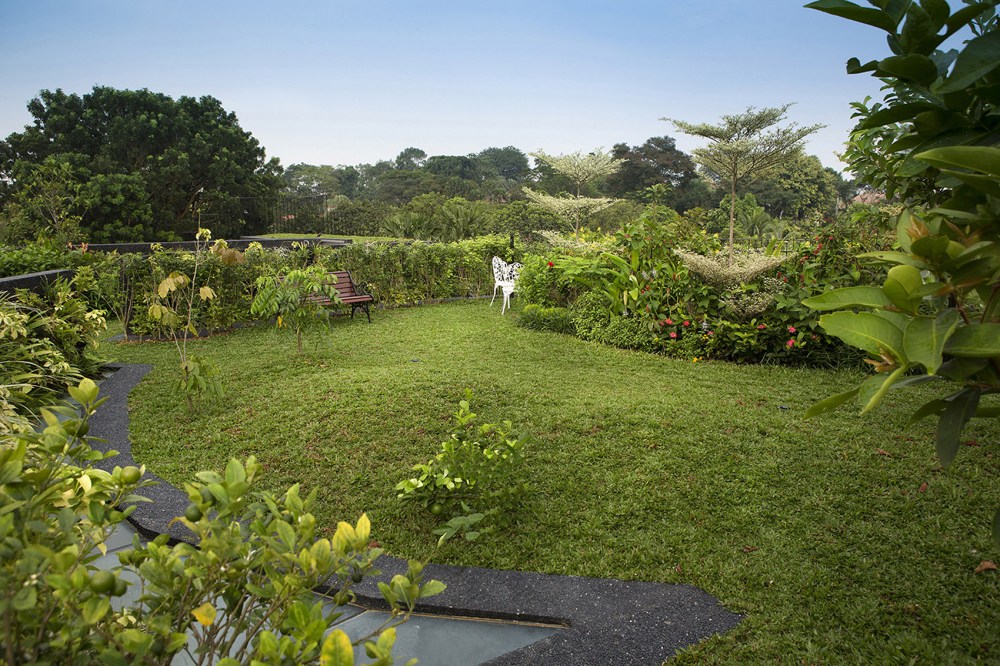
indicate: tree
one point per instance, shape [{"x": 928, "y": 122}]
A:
[
  {"x": 800, "y": 188},
  {"x": 580, "y": 170},
  {"x": 936, "y": 318},
  {"x": 171, "y": 156},
  {"x": 507, "y": 163},
  {"x": 410, "y": 158},
  {"x": 655, "y": 162},
  {"x": 744, "y": 147}
]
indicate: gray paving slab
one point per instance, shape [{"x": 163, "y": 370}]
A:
[{"x": 606, "y": 621}]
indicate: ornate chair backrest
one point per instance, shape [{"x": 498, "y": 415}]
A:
[
  {"x": 499, "y": 269},
  {"x": 513, "y": 271}
]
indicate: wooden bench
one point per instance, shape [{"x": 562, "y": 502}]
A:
[{"x": 348, "y": 292}]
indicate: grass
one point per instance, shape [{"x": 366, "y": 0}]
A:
[{"x": 646, "y": 468}]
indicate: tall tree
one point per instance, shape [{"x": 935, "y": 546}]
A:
[
  {"x": 580, "y": 170},
  {"x": 189, "y": 154},
  {"x": 655, "y": 162},
  {"x": 744, "y": 147}
]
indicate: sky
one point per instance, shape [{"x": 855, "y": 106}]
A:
[{"x": 357, "y": 81}]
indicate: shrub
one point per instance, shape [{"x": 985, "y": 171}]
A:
[
  {"x": 538, "y": 318},
  {"x": 475, "y": 477},
  {"x": 244, "y": 594}
]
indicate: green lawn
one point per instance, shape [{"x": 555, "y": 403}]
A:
[{"x": 646, "y": 468}]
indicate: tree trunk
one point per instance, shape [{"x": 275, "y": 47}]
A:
[{"x": 732, "y": 221}]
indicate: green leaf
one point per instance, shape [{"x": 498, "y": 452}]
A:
[
  {"x": 95, "y": 608},
  {"x": 896, "y": 113},
  {"x": 865, "y": 330},
  {"x": 932, "y": 407},
  {"x": 975, "y": 341},
  {"x": 895, "y": 258},
  {"x": 831, "y": 403},
  {"x": 849, "y": 297},
  {"x": 872, "y": 391},
  {"x": 924, "y": 339},
  {"x": 914, "y": 67},
  {"x": 853, "y": 12},
  {"x": 432, "y": 588},
  {"x": 984, "y": 159},
  {"x": 337, "y": 650},
  {"x": 961, "y": 407},
  {"x": 979, "y": 57}
]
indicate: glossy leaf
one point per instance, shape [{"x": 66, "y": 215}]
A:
[
  {"x": 853, "y": 12},
  {"x": 984, "y": 159},
  {"x": 924, "y": 339},
  {"x": 979, "y": 57},
  {"x": 960, "y": 408},
  {"x": 865, "y": 330},
  {"x": 848, "y": 297},
  {"x": 975, "y": 341},
  {"x": 337, "y": 650}
]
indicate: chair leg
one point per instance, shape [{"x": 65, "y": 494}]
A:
[{"x": 495, "y": 286}]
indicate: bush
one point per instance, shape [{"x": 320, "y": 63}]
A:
[
  {"x": 413, "y": 272},
  {"x": 537, "y": 318},
  {"x": 475, "y": 477},
  {"x": 244, "y": 594}
]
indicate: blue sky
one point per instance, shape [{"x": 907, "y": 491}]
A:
[{"x": 345, "y": 82}]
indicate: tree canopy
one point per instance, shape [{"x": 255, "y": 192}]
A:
[
  {"x": 745, "y": 146},
  {"x": 147, "y": 163}
]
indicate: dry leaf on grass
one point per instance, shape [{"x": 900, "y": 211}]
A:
[{"x": 986, "y": 565}]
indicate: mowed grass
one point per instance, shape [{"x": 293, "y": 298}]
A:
[{"x": 821, "y": 532}]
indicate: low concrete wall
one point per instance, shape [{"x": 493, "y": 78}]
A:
[
  {"x": 33, "y": 281},
  {"x": 236, "y": 244}
]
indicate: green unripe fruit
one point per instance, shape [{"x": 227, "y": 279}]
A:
[
  {"x": 102, "y": 582},
  {"x": 131, "y": 474},
  {"x": 193, "y": 513},
  {"x": 437, "y": 508},
  {"x": 120, "y": 587},
  {"x": 207, "y": 497}
]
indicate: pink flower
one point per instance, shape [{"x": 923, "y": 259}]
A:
[
  {"x": 687, "y": 323},
  {"x": 791, "y": 329},
  {"x": 668, "y": 321},
  {"x": 790, "y": 343},
  {"x": 761, "y": 327},
  {"x": 673, "y": 335},
  {"x": 711, "y": 333}
]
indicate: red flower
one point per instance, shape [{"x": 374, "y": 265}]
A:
[
  {"x": 668, "y": 321},
  {"x": 687, "y": 323},
  {"x": 551, "y": 264},
  {"x": 790, "y": 343},
  {"x": 791, "y": 329},
  {"x": 761, "y": 327},
  {"x": 673, "y": 335}
]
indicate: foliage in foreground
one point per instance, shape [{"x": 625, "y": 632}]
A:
[
  {"x": 936, "y": 317},
  {"x": 243, "y": 595}
]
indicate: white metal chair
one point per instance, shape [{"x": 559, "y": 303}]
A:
[
  {"x": 499, "y": 271},
  {"x": 510, "y": 281}
]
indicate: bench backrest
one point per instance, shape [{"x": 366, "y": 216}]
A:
[{"x": 345, "y": 285}]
